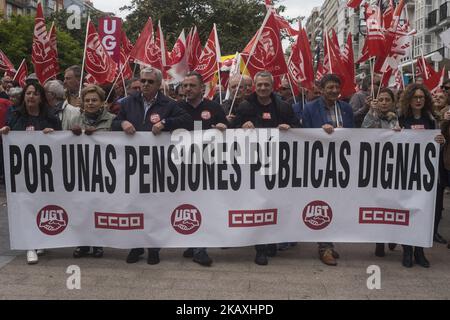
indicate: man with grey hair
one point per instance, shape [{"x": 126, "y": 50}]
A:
[
  {"x": 263, "y": 110},
  {"x": 151, "y": 111},
  {"x": 72, "y": 79},
  {"x": 54, "y": 92}
]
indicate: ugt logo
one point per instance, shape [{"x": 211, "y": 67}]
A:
[
  {"x": 317, "y": 215},
  {"x": 52, "y": 220},
  {"x": 186, "y": 219}
]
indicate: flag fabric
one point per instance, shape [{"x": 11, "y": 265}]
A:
[
  {"x": 353, "y": 3},
  {"x": 281, "y": 22},
  {"x": 162, "y": 53},
  {"x": 375, "y": 35},
  {"x": 43, "y": 56},
  {"x": 431, "y": 79},
  {"x": 193, "y": 48},
  {"x": 145, "y": 52},
  {"x": 21, "y": 74},
  {"x": 178, "y": 59},
  {"x": 348, "y": 59},
  {"x": 300, "y": 64},
  {"x": 127, "y": 73},
  {"x": 399, "y": 84},
  {"x": 5, "y": 63},
  {"x": 126, "y": 43},
  {"x": 268, "y": 54},
  {"x": 99, "y": 64},
  {"x": 333, "y": 63},
  {"x": 209, "y": 60}
]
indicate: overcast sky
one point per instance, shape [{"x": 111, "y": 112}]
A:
[{"x": 295, "y": 8}]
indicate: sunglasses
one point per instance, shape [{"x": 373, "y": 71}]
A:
[{"x": 150, "y": 81}]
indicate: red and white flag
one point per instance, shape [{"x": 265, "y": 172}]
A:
[
  {"x": 268, "y": 53},
  {"x": 178, "y": 59},
  {"x": 43, "y": 56},
  {"x": 145, "y": 51},
  {"x": 353, "y": 3},
  {"x": 193, "y": 48},
  {"x": 431, "y": 79},
  {"x": 282, "y": 23},
  {"x": 127, "y": 73},
  {"x": 164, "y": 55},
  {"x": 399, "y": 84},
  {"x": 209, "y": 60},
  {"x": 5, "y": 63},
  {"x": 126, "y": 43},
  {"x": 98, "y": 62},
  {"x": 21, "y": 74},
  {"x": 300, "y": 64}
]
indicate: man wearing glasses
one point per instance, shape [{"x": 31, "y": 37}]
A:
[
  {"x": 446, "y": 88},
  {"x": 149, "y": 110}
]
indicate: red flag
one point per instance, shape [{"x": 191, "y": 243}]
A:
[
  {"x": 353, "y": 3},
  {"x": 194, "y": 48},
  {"x": 127, "y": 73},
  {"x": 208, "y": 62},
  {"x": 300, "y": 63},
  {"x": 268, "y": 54},
  {"x": 320, "y": 71},
  {"x": 282, "y": 23},
  {"x": 43, "y": 56},
  {"x": 99, "y": 63},
  {"x": 386, "y": 77},
  {"x": 334, "y": 64},
  {"x": 145, "y": 51},
  {"x": 54, "y": 45},
  {"x": 431, "y": 79},
  {"x": 388, "y": 15},
  {"x": 178, "y": 59},
  {"x": 375, "y": 36},
  {"x": 5, "y": 63},
  {"x": 126, "y": 44},
  {"x": 399, "y": 84},
  {"x": 348, "y": 58},
  {"x": 21, "y": 74}
]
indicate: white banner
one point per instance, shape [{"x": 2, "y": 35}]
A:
[{"x": 241, "y": 188}]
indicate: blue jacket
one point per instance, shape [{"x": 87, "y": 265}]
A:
[
  {"x": 132, "y": 109},
  {"x": 315, "y": 116}
]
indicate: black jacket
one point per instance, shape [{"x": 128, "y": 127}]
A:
[
  {"x": 208, "y": 112},
  {"x": 132, "y": 110},
  {"x": 22, "y": 121},
  {"x": 249, "y": 110}
]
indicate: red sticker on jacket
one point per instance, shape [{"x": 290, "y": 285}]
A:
[
  {"x": 418, "y": 127},
  {"x": 206, "y": 115},
  {"x": 154, "y": 118},
  {"x": 267, "y": 116}
]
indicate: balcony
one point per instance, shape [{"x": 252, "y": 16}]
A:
[
  {"x": 18, "y": 3},
  {"x": 444, "y": 15},
  {"x": 432, "y": 19}
]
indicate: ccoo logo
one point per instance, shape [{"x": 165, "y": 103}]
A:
[
  {"x": 186, "y": 219},
  {"x": 317, "y": 215},
  {"x": 52, "y": 220}
]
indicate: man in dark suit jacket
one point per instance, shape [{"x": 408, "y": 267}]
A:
[
  {"x": 152, "y": 111},
  {"x": 328, "y": 113}
]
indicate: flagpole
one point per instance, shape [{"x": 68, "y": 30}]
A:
[
  {"x": 84, "y": 55},
  {"x": 252, "y": 51},
  {"x": 292, "y": 89},
  {"x": 218, "y": 58},
  {"x": 371, "y": 64},
  {"x": 17, "y": 72},
  {"x": 124, "y": 87},
  {"x": 118, "y": 77}
]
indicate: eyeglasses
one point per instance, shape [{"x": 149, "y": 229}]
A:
[
  {"x": 150, "y": 81},
  {"x": 419, "y": 98},
  {"x": 285, "y": 88}
]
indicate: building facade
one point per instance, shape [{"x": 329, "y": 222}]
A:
[{"x": 28, "y": 7}]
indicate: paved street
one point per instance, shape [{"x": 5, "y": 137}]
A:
[{"x": 294, "y": 274}]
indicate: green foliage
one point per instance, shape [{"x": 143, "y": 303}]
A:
[
  {"x": 237, "y": 20},
  {"x": 16, "y": 39}
]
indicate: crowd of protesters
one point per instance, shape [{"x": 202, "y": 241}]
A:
[{"x": 141, "y": 104}]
